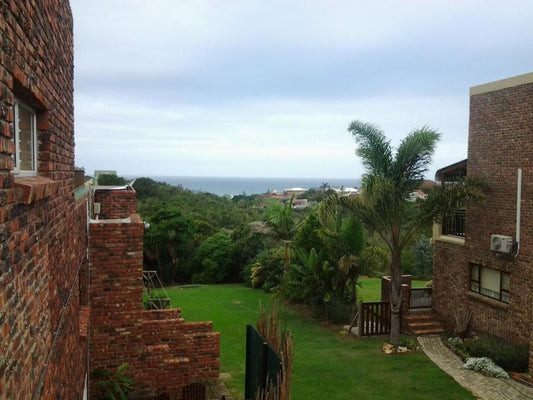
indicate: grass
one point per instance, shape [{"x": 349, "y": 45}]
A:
[
  {"x": 370, "y": 288},
  {"x": 327, "y": 364}
]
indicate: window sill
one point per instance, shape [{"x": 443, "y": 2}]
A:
[
  {"x": 487, "y": 300},
  {"x": 34, "y": 188},
  {"x": 451, "y": 239}
]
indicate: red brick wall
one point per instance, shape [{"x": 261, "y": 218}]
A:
[
  {"x": 164, "y": 352},
  {"x": 500, "y": 142},
  {"x": 42, "y": 238},
  {"x": 116, "y": 203}
]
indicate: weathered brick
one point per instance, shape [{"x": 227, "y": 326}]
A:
[{"x": 500, "y": 142}]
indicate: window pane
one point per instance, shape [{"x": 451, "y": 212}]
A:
[
  {"x": 505, "y": 297},
  {"x": 474, "y": 273},
  {"x": 490, "y": 283},
  {"x": 506, "y": 281},
  {"x": 474, "y": 287},
  {"x": 25, "y": 139}
]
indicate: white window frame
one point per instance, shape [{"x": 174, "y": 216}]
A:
[{"x": 33, "y": 126}]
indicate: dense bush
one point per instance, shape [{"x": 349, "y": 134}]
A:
[
  {"x": 267, "y": 271},
  {"x": 111, "y": 179},
  {"x": 423, "y": 258},
  {"x": 212, "y": 260},
  {"x": 508, "y": 356}
]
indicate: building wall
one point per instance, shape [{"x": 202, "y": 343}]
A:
[
  {"x": 164, "y": 352},
  {"x": 42, "y": 224},
  {"x": 500, "y": 142}
]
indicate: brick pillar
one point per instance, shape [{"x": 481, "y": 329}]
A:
[{"x": 115, "y": 291}]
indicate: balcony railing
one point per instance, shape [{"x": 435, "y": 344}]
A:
[{"x": 455, "y": 224}]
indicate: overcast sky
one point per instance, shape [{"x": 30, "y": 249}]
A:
[{"x": 268, "y": 88}]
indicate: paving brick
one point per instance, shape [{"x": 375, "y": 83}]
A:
[{"x": 483, "y": 387}]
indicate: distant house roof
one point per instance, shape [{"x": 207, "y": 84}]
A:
[
  {"x": 299, "y": 201},
  {"x": 452, "y": 172},
  {"x": 428, "y": 184}
]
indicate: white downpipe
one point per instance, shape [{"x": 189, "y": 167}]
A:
[{"x": 518, "y": 209}]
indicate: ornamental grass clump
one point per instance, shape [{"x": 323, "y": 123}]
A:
[
  {"x": 486, "y": 366},
  {"x": 281, "y": 340}
]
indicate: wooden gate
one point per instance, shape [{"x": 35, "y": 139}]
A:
[
  {"x": 420, "y": 297},
  {"x": 374, "y": 318}
]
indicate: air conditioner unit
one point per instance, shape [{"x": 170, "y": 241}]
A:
[{"x": 500, "y": 243}]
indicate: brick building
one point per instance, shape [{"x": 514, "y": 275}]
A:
[
  {"x": 60, "y": 291},
  {"x": 492, "y": 275}
]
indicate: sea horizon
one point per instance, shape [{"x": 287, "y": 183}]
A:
[{"x": 231, "y": 186}]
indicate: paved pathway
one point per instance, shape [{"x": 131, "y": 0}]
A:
[{"x": 481, "y": 386}]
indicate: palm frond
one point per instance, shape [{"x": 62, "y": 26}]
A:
[
  {"x": 374, "y": 148},
  {"x": 413, "y": 158},
  {"x": 443, "y": 200}
]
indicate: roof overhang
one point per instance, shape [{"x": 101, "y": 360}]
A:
[{"x": 452, "y": 171}]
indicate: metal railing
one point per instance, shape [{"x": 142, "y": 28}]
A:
[
  {"x": 420, "y": 297},
  {"x": 455, "y": 224}
]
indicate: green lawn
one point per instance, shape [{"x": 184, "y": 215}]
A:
[
  {"x": 370, "y": 288},
  {"x": 327, "y": 365}
]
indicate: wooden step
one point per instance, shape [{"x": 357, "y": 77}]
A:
[
  {"x": 422, "y": 323},
  {"x": 429, "y": 324},
  {"x": 434, "y": 331}
]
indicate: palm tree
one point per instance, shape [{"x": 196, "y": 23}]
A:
[{"x": 384, "y": 205}]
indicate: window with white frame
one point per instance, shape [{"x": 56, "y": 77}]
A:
[
  {"x": 490, "y": 282},
  {"x": 25, "y": 139}
]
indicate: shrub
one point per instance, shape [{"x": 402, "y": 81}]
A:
[
  {"x": 423, "y": 258},
  {"x": 509, "y": 356},
  {"x": 113, "y": 386},
  {"x": 111, "y": 179},
  {"x": 267, "y": 271},
  {"x": 338, "y": 312},
  {"x": 458, "y": 347},
  {"x": 410, "y": 342},
  {"x": 486, "y": 366},
  {"x": 455, "y": 342},
  {"x": 212, "y": 259}
]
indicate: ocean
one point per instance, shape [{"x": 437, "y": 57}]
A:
[{"x": 234, "y": 186}]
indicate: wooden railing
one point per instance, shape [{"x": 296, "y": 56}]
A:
[
  {"x": 420, "y": 297},
  {"x": 455, "y": 225},
  {"x": 374, "y": 318}
]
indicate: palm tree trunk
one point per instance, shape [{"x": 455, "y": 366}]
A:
[{"x": 396, "y": 295}]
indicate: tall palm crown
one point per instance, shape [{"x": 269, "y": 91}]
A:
[{"x": 390, "y": 178}]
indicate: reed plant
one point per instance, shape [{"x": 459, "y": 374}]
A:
[{"x": 269, "y": 325}]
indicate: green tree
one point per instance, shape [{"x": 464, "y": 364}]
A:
[
  {"x": 111, "y": 179},
  {"x": 245, "y": 245},
  {"x": 307, "y": 236},
  {"x": 212, "y": 260},
  {"x": 423, "y": 258},
  {"x": 384, "y": 205},
  {"x": 280, "y": 218},
  {"x": 167, "y": 244},
  {"x": 343, "y": 239}
]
